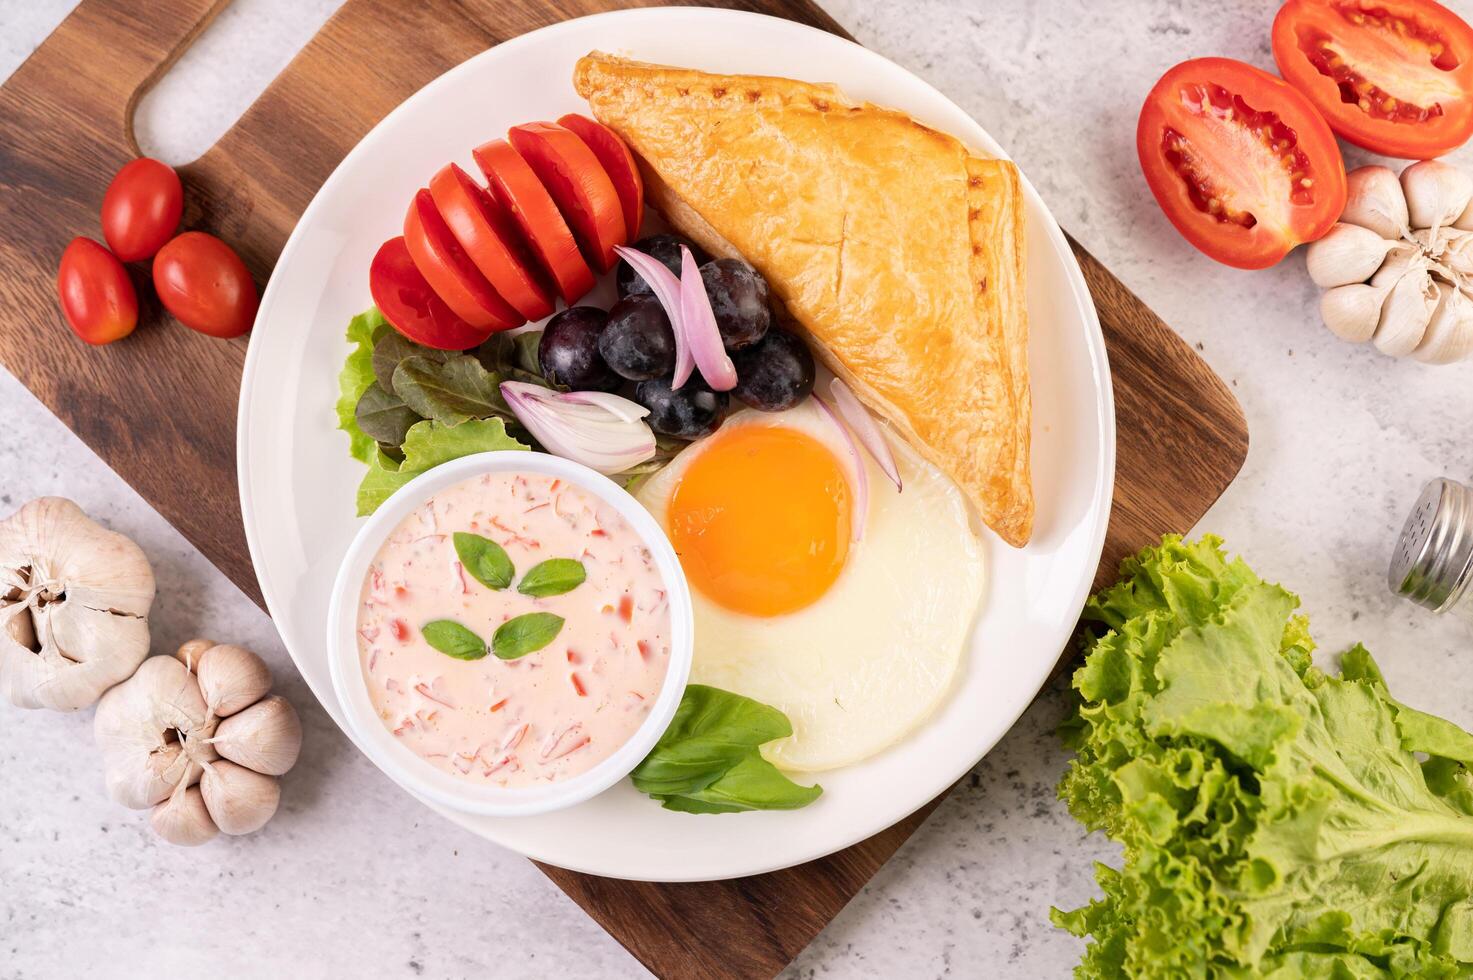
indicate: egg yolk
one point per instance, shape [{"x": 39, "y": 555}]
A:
[{"x": 760, "y": 520}]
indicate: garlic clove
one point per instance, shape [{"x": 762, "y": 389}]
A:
[
  {"x": 1375, "y": 200},
  {"x": 232, "y": 677},
  {"x": 239, "y": 800},
  {"x": 151, "y": 731},
  {"x": 1464, "y": 221},
  {"x": 1347, "y": 254},
  {"x": 266, "y": 737},
  {"x": 190, "y": 651},
  {"x": 1352, "y": 312},
  {"x": 1437, "y": 194},
  {"x": 1399, "y": 262},
  {"x": 1457, "y": 253},
  {"x": 183, "y": 820},
  {"x": 74, "y": 602},
  {"x": 1405, "y": 313},
  {"x": 1449, "y": 335}
]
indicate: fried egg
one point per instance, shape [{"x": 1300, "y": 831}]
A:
[{"x": 856, "y": 641}]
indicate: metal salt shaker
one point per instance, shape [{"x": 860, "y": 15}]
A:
[{"x": 1433, "y": 561}]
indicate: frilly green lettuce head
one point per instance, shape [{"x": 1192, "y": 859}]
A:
[{"x": 1276, "y": 821}]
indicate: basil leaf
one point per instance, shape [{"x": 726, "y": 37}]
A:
[
  {"x": 454, "y": 640},
  {"x": 451, "y": 391},
  {"x": 525, "y": 634},
  {"x": 552, "y": 577},
  {"x": 708, "y": 760},
  {"x": 392, "y": 349},
  {"x": 487, "y": 562},
  {"x": 383, "y": 416}
]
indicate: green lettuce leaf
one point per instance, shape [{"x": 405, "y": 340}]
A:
[
  {"x": 427, "y": 445},
  {"x": 1277, "y": 821},
  {"x": 357, "y": 374}
]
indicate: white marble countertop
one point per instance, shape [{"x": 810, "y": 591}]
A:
[{"x": 355, "y": 878}]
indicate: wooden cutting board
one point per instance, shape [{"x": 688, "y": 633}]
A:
[{"x": 160, "y": 407}]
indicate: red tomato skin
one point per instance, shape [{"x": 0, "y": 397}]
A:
[
  {"x": 516, "y": 188},
  {"x": 1405, "y": 140},
  {"x": 443, "y": 262},
  {"x": 618, "y": 162},
  {"x": 97, "y": 297},
  {"x": 1232, "y": 245},
  {"x": 579, "y": 186},
  {"x": 141, "y": 208},
  {"x": 205, "y": 285},
  {"x": 405, "y": 298},
  {"x": 489, "y": 237}
]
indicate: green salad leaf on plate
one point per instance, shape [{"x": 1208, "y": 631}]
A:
[
  {"x": 427, "y": 445},
  {"x": 1277, "y": 820},
  {"x": 364, "y": 331},
  {"x": 708, "y": 760}
]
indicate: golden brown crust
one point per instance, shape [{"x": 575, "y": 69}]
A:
[{"x": 898, "y": 251}]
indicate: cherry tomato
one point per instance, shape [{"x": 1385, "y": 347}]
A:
[
  {"x": 141, "y": 209},
  {"x": 97, "y": 296},
  {"x": 618, "y": 162},
  {"x": 579, "y": 186},
  {"x": 442, "y": 261},
  {"x": 1393, "y": 76},
  {"x": 516, "y": 188},
  {"x": 490, "y": 238},
  {"x": 205, "y": 285},
  {"x": 406, "y": 300},
  {"x": 1241, "y": 162}
]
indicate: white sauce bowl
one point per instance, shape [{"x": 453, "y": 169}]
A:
[{"x": 402, "y": 763}]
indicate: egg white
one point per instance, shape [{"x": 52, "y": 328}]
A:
[{"x": 870, "y": 661}]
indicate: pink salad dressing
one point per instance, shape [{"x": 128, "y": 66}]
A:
[{"x": 552, "y": 713}]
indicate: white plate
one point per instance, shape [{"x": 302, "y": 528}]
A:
[{"x": 297, "y": 481}]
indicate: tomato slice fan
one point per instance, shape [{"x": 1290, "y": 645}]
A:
[
  {"x": 516, "y": 188},
  {"x": 450, "y": 272},
  {"x": 618, "y": 163},
  {"x": 406, "y": 300},
  {"x": 1393, "y": 76},
  {"x": 1239, "y": 161},
  {"x": 578, "y": 184},
  {"x": 490, "y": 238}
]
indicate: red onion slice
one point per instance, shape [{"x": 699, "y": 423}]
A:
[
  {"x": 701, "y": 333},
  {"x": 861, "y": 477},
  {"x": 866, "y": 429},
  {"x": 594, "y": 431},
  {"x": 666, "y": 287}
]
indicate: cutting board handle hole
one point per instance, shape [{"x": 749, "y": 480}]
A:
[{"x": 220, "y": 74}]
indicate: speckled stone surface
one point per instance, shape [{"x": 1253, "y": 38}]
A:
[{"x": 353, "y": 878}]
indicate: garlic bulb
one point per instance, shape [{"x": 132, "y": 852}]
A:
[
  {"x": 240, "y": 800},
  {"x": 74, "y": 601},
  {"x": 267, "y": 736},
  {"x": 203, "y": 716},
  {"x": 183, "y": 819},
  {"x": 1398, "y": 267}
]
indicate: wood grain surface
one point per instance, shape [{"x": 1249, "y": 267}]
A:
[{"x": 160, "y": 407}]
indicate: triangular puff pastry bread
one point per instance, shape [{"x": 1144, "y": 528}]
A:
[{"x": 898, "y": 251}]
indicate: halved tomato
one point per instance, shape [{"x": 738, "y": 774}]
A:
[
  {"x": 1393, "y": 76},
  {"x": 1241, "y": 162},
  {"x": 406, "y": 300},
  {"x": 450, "y": 272},
  {"x": 617, "y": 162},
  {"x": 516, "y": 188},
  {"x": 578, "y": 184},
  {"x": 489, "y": 236}
]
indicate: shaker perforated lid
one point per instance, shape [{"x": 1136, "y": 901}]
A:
[{"x": 1433, "y": 561}]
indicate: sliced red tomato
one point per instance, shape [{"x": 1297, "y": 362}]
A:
[
  {"x": 405, "y": 298},
  {"x": 97, "y": 297},
  {"x": 617, "y": 162},
  {"x": 450, "y": 272},
  {"x": 1241, "y": 162},
  {"x": 490, "y": 237},
  {"x": 1393, "y": 76},
  {"x": 516, "y": 188},
  {"x": 579, "y": 186}
]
